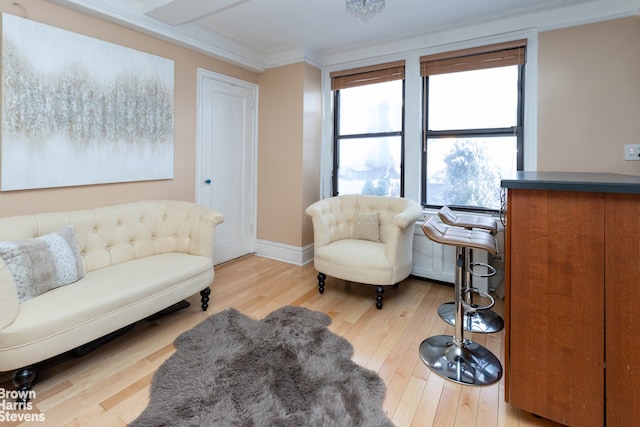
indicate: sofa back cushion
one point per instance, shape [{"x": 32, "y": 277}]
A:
[
  {"x": 339, "y": 213},
  {"x": 114, "y": 234}
]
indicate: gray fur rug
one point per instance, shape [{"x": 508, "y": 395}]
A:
[{"x": 287, "y": 369}]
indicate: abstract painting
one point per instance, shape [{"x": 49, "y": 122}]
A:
[{"x": 80, "y": 111}]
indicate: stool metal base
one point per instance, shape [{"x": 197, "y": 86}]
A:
[
  {"x": 466, "y": 363},
  {"x": 482, "y": 321}
]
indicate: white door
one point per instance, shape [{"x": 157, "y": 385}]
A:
[{"x": 226, "y": 162}]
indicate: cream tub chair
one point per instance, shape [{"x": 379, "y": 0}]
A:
[
  {"x": 364, "y": 239},
  {"x": 136, "y": 259}
]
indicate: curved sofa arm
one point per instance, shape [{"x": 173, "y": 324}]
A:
[
  {"x": 321, "y": 230},
  {"x": 399, "y": 246},
  {"x": 409, "y": 216},
  {"x": 8, "y": 296},
  {"x": 203, "y": 222},
  {"x": 316, "y": 209}
]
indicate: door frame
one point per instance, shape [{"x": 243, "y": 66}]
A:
[{"x": 252, "y": 145}]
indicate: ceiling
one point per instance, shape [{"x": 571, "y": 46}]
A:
[{"x": 257, "y": 34}]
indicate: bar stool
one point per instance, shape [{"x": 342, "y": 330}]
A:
[
  {"x": 454, "y": 357},
  {"x": 486, "y": 320}
]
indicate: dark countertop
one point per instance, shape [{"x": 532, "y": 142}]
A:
[{"x": 573, "y": 181}]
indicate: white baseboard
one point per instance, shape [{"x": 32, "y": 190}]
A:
[{"x": 283, "y": 252}]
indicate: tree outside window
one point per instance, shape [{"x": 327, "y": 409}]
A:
[{"x": 473, "y": 117}]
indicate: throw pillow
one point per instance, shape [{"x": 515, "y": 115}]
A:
[
  {"x": 366, "y": 226},
  {"x": 43, "y": 263}
]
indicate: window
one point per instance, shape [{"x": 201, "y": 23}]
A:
[
  {"x": 473, "y": 116},
  {"x": 368, "y": 141}
]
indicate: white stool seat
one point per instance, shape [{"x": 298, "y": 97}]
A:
[{"x": 468, "y": 221}]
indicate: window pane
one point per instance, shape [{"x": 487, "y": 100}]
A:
[
  {"x": 476, "y": 99},
  {"x": 467, "y": 171},
  {"x": 371, "y": 108},
  {"x": 369, "y": 166}
]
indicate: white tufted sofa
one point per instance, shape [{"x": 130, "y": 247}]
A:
[
  {"x": 340, "y": 253},
  {"x": 139, "y": 258}
]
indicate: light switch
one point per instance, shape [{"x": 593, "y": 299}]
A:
[{"x": 632, "y": 152}]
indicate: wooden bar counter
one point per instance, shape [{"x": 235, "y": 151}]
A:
[{"x": 572, "y": 297}]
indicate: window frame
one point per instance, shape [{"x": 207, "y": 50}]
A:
[
  {"x": 517, "y": 130},
  {"x": 337, "y": 137}
]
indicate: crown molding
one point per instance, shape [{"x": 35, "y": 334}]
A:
[
  {"x": 538, "y": 19},
  {"x": 125, "y": 13}
]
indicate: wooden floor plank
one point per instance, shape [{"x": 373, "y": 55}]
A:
[
  {"x": 409, "y": 402},
  {"x": 110, "y": 386}
]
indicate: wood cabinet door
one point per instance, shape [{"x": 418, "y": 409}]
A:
[
  {"x": 622, "y": 296},
  {"x": 555, "y": 305}
]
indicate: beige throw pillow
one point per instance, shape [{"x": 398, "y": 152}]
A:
[
  {"x": 366, "y": 226},
  {"x": 43, "y": 263}
]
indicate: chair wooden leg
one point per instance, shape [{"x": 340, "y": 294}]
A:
[
  {"x": 379, "y": 292},
  {"x": 204, "y": 298},
  {"x": 321, "y": 278},
  {"x": 23, "y": 380}
]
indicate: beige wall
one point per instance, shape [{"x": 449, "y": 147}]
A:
[
  {"x": 589, "y": 97},
  {"x": 589, "y": 101},
  {"x": 186, "y": 64},
  {"x": 311, "y": 146},
  {"x": 289, "y": 152}
]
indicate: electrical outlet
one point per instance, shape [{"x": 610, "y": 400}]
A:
[{"x": 632, "y": 152}]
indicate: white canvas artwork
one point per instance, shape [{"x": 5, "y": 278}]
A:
[{"x": 80, "y": 111}]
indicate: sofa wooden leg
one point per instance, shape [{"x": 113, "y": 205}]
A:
[
  {"x": 379, "y": 292},
  {"x": 204, "y": 294},
  {"x": 23, "y": 381},
  {"x": 321, "y": 278}
]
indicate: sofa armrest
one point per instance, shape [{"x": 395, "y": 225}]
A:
[
  {"x": 399, "y": 246},
  {"x": 408, "y": 217},
  {"x": 321, "y": 229},
  {"x": 8, "y": 296},
  {"x": 203, "y": 222}
]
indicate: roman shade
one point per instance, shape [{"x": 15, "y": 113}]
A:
[
  {"x": 367, "y": 75},
  {"x": 477, "y": 58}
]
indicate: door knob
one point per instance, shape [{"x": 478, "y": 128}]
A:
[{"x": 207, "y": 181}]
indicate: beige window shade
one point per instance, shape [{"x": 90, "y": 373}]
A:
[
  {"x": 367, "y": 75},
  {"x": 491, "y": 56}
]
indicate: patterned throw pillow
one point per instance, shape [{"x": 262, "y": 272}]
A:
[
  {"x": 366, "y": 226},
  {"x": 43, "y": 263}
]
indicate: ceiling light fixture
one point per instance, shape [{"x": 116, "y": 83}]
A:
[{"x": 364, "y": 8}]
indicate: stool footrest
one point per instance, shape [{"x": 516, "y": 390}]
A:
[
  {"x": 491, "y": 270},
  {"x": 472, "y": 308}
]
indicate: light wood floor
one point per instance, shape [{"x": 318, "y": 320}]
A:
[{"x": 110, "y": 386}]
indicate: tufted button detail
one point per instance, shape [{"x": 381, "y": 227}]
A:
[
  {"x": 164, "y": 217},
  {"x": 119, "y": 223},
  {"x": 108, "y": 248},
  {"x": 131, "y": 242},
  {"x": 82, "y": 253},
  {"x": 95, "y": 230},
  {"x": 153, "y": 237},
  {"x": 140, "y": 219}
]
